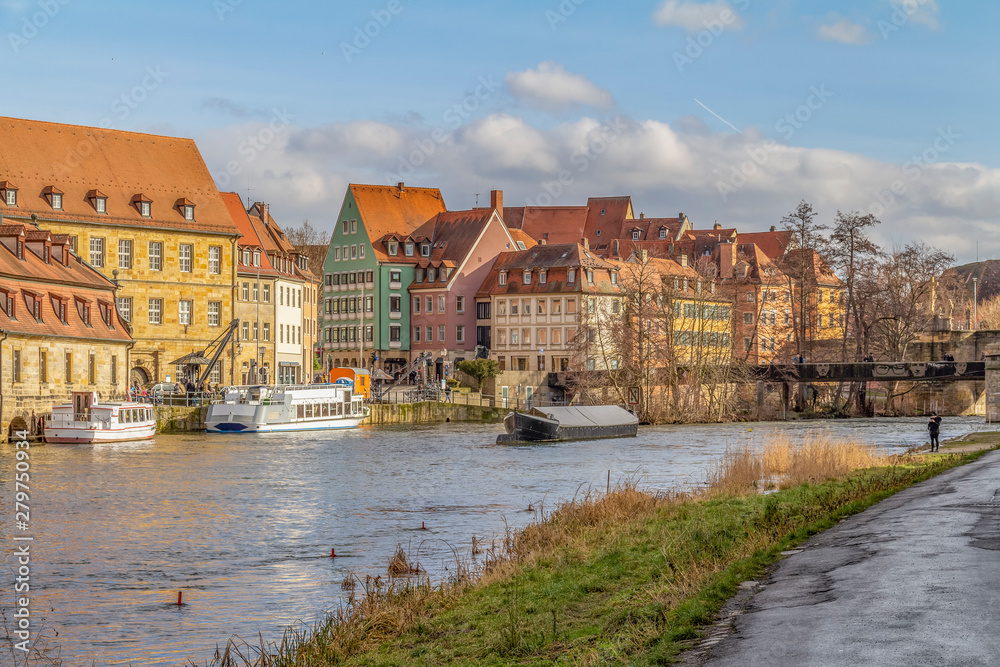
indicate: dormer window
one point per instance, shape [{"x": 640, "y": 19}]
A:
[
  {"x": 393, "y": 248},
  {"x": 571, "y": 275},
  {"x": 527, "y": 277},
  {"x": 409, "y": 250},
  {"x": 7, "y": 303},
  {"x": 663, "y": 232},
  {"x": 54, "y": 196},
  {"x": 188, "y": 212},
  {"x": 431, "y": 274},
  {"x": 425, "y": 249},
  {"x": 614, "y": 277},
  {"x": 143, "y": 205},
  {"x": 256, "y": 257},
  {"x": 635, "y": 234},
  {"x": 186, "y": 208},
  {"x": 9, "y": 191},
  {"x": 541, "y": 277},
  {"x": 98, "y": 200},
  {"x": 502, "y": 278}
]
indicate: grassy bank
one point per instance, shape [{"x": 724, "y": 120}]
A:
[{"x": 626, "y": 577}]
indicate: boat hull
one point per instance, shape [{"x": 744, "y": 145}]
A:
[
  {"x": 569, "y": 423},
  {"x": 280, "y": 410},
  {"x": 76, "y": 435}
]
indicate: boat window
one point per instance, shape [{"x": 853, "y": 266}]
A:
[
  {"x": 326, "y": 409},
  {"x": 302, "y": 411},
  {"x": 125, "y": 416}
]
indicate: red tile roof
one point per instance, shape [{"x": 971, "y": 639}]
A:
[
  {"x": 773, "y": 244},
  {"x": 398, "y": 209},
  {"x": 123, "y": 165},
  {"x": 53, "y": 279}
]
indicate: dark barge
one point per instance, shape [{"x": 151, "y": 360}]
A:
[{"x": 578, "y": 422}]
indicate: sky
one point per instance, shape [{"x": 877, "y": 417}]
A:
[{"x": 730, "y": 111}]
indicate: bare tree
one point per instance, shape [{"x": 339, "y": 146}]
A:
[
  {"x": 850, "y": 247},
  {"x": 807, "y": 235},
  {"x": 306, "y": 235}
]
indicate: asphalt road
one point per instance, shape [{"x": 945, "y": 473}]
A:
[{"x": 914, "y": 580}]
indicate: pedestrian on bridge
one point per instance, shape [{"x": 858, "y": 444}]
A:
[{"x": 934, "y": 429}]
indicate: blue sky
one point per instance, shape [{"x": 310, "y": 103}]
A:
[{"x": 686, "y": 106}]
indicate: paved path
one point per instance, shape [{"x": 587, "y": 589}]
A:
[{"x": 914, "y": 580}]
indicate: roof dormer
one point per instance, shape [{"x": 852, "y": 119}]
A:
[
  {"x": 186, "y": 208},
  {"x": 54, "y": 196},
  {"x": 98, "y": 200},
  {"x": 143, "y": 204},
  {"x": 8, "y": 191}
]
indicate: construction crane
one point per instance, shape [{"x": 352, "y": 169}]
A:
[{"x": 216, "y": 348}]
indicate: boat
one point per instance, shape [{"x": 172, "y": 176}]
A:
[
  {"x": 86, "y": 419},
  {"x": 266, "y": 409},
  {"x": 576, "y": 422}
]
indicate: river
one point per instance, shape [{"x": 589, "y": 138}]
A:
[{"x": 244, "y": 525}]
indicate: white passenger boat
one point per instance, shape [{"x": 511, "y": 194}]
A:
[
  {"x": 262, "y": 409},
  {"x": 86, "y": 419}
]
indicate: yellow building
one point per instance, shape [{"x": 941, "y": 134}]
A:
[{"x": 144, "y": 211}]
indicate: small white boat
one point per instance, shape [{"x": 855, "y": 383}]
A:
[
  {"x": 311, "y": 407},
  {"x": 88, "y": 420}
]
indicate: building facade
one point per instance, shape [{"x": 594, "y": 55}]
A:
[
  {"x": 59, "y": 329},
  {"x": 142, "y": 210}
]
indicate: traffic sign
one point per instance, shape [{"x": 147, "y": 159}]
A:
[{"x": 632, "y": 396}]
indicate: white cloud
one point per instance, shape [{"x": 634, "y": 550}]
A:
[
  {"x": 740, "y": 180},
  {"x": 697, "y": 16},
  {"x": 919, "y": 11},
  {"x": 840, "y": 29},
  {"x": 550, "y": 86}
]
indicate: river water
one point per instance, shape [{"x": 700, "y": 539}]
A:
[{"x": 244, "y": 525}]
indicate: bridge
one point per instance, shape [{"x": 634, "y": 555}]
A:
[{"x": 879, "y": 371}]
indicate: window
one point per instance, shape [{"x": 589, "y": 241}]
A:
[
  {"x": 370, "y": 333},
  {"x": 56, "y": 201},
  {"x": 393, "y": 333},
  {"x": 97, "y": 252},
  {"x": 570, "y": 306},
  {"x": 16, "y": 365},
  {"x": 155, "y": 309},
  {"x": 460, "y": 333},
  {"x": 540, "y": 307},
  {"x": 124, "y": 308},
  {"x": 788, "y": 317},
  {"x": 215, "y": 259},
  {"x": 557, "y": 306},
  {"x": 155, "y": 256},
  {"x": 416, "y": 304},
  {"x": 819, "y": 321},
  {"x": 336, "y": 254},
  {"x": 43, "y": 365},
  {"x": 502, "y": 278},
  {"x": 514, "y": 336},
  {"x": 409, "y": 250},
  {"x": 11, "y": 197},
  {"x": 429, "y": 303},
  {"x": 393, "y": 248},
  {"x": 369, "y": 304},
  {"x": 430, "y": 333},
  {"x": 460, "y": 304},
  {"x": 819, "y": 296},
  {"x": 184, "y": 312},
  {"x": 501, "y": 309},
  {"x": 416, "y": 334},
  {"x": 256, "y": 292},
  {"x": 267, "y": 292},
  {"x": 590, "y": 276},
  {"x": 541, "y": 277},
  {"x": 747, "y": 318},
  {"x": 514, "y": 305},
  {"x": 591, "y": 304},
  {"x": 663, "y": 232},
  {"x": 354, "y": 252},
  {"x": 267, "y": 332},
  {"x": 361, "y": 252},
  {"x": 425, "y": 249},
  {"x": 635, "y": 235},
  {"x": 751, "y": 297},
  {"x": 526, "y": 307},
  {"x": 144, "y": 209},
  {"x": 615, "y": 306},
  {"x": 92, "y": 369},
  {"x": 246, "y": 330},
  {"x": 394, "y": 304},
  {"x": 591, "y": 364},
  {"x": 184, "y": 256},
  {"x": 214, "y": 308},
  {"x": 571, "y": 275},
  {"x": 256, "y": 331},
  {"x": 614, "y": 278},
  {"x": 441, "y": 301},
  {"x": 395, "y": 276},
  {"x": 527, "y": 277}
]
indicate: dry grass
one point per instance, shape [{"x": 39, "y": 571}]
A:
[
  {"x": 399, "y": 564},
  {"x": 782, "y": 462}
]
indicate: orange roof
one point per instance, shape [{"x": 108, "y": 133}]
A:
[
  {"x": 125, "y": 166},
  {"x": 554, "y": 224},
  {"x": 774, "y": 244},
  {"x": 605, "y": 216},
  {"x": 250, "y": 238},
  {"x": 398, "y": 209}
]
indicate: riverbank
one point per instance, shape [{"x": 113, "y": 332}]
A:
[{"x": 624, "y": 577}]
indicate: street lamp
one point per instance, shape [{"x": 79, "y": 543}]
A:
[{"x": 975, "y": 304}]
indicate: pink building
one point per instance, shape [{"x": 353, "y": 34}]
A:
[{"x": 463, "y": 247}]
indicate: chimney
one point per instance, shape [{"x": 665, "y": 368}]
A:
[
  {"x": 716, "y": 225},
  {"x": 684, "y": 260},
  {"x": 642, "y": 216},
  {"x": 772, "y": 228},
  {"x": 727, "y": 260},
  {"x": 496, "y": 200},
  {"x": 644, "y": 255},
  {"x": 585, "y": 243},
  {"x": 263, "y": 213},
  {"x": 400, "y": 186}
]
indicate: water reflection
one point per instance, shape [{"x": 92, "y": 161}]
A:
[{"x": 244, "y": 525}]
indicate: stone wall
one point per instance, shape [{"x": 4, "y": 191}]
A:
[{"x": 433, "y": 413}]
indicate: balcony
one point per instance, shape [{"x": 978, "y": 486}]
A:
[
  {"x": 395, "y": 284},
  {"x": 371, "y": 285},
  {"x": 395, "y": 344},
  {"x": 395, "y": 315}
]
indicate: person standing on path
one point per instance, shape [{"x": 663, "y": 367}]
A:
[{"x": 934, "y": 429}]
